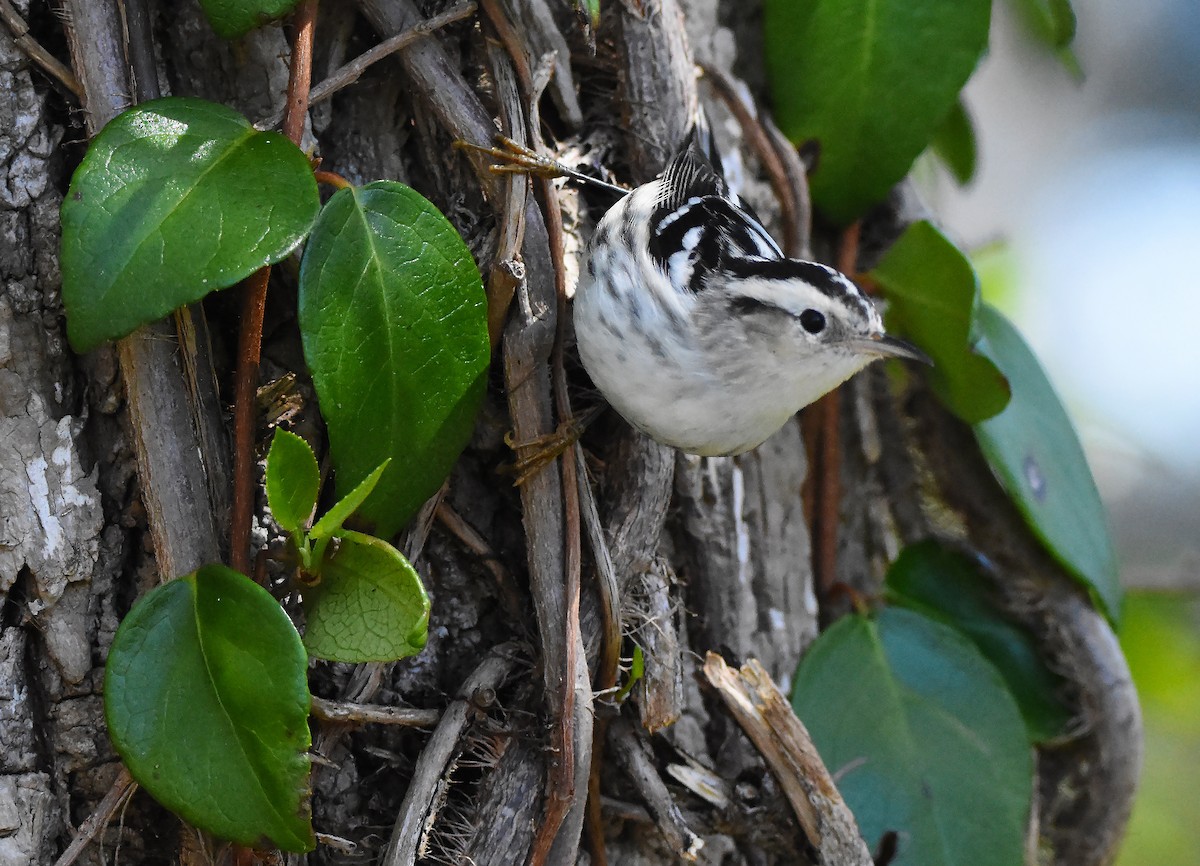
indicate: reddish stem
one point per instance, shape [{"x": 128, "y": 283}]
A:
[
  {"x": 826, "y": 489},
  {"x": 829, "y": 494},
  {"x": 300, "y": 72},
  {"x": 332, "y": 179},
  {"x": 254, "y": 302}
]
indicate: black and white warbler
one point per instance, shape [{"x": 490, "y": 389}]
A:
[{"x": 699, "y": 331}]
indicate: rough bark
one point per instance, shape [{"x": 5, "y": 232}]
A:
[{"x": 706, "y": 554}]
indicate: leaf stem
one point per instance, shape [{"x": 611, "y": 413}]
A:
[
  {"x": 334, "y": 179},
  {"x": 254, "y": 302}
]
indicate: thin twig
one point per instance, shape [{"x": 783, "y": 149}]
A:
[
  {"x": 254, "y": 302},
  {"x": 490, "y": 674},
  {"x": 345, "y": 712},
  {"x": 119, "y": 793},
  {"x": 39, "y": 55},
  {"x": 139, "y": 49},
  {"x": 348, "y": 73},
  {"x": 510, "y": 597},
  {"x": 607, "y": 588},
  {"x": 759, "y": 140},
  {"x": 562, "y": 789},
  {"x": 633, "y": 755},
  {"x": 561, "y": 782},
  {"x": 608, "y": 662},
  {"x": 797, "y": 174}
]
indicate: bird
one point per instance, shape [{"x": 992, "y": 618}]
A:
[{"x": 698, "y": 330}]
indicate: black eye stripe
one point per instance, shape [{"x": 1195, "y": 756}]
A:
[{"x": 743, "y": 305}]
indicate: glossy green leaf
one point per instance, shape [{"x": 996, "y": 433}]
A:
[
  {"x": 1033, "y": 449},
  {"x": 331, "y": 521},
  {"x": 206, "y": 699},
  {"x": 233, "y": 18},
  {"x": 947, "y": 586},
  {"x": 394, "y": 324},
  {"x": 870, "y": 81},
  {"x": 368, "y": 605},
  {"x": 923, "y": 737},
  {"x": 954, "y": 144},
  {"x": 293, "y": 481},
  {"x": 175, "y": 198},
  {"x": 932, "y": 297}
]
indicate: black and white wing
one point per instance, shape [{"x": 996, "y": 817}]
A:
[{"x": 698, "y": 226}]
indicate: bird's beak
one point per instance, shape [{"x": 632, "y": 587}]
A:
[{"x": 891, "y": 347}]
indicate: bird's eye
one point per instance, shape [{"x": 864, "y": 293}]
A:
[{"x": 812, "y": 321}]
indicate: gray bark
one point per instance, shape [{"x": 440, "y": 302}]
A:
[{"x": 707, "y": 554}]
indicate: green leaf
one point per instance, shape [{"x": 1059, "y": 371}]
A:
[
  {"x": 637, "y": 670},
  {"x": 331, "y": 521},
  {"x": 206, "y": 698},
  {"x": 870, "y": 81},
  {"x": 932, "y": 297},
  {"x": 947, "y": 586},
  {"x": 293, "y": 481},
  {"x": 954, "y": 143},
  {"x": 394, "y": 324},
  {"x": 1051, "y": 21},
  {"x": 1033, "y": 449},
  {"x": 175, "y": 198},
  {"x": 923, "y": 736},
  {"x": 369, "y": 604},
  {"x": 999, "y": 279},
  {"x": 233, "y": 18}
]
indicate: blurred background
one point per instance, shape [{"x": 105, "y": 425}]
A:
[{"x": 1084, "y": 221}]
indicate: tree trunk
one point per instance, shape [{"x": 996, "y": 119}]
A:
[{"x": 112, "y": 477}]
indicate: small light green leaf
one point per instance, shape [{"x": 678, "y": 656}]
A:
[
  {"x": 1033, "y": 449},
  {"x": 233, "y": 18},
  {"x": 923, "y": 736},
  {"x": 331, "y": 521},
  {"x": 175, "y": 198},
  {"x": 206, "y": 699},
  {"x": 999, "y": 280},
  {"x": 954, "y": 143},
  {"x": 932, "y": 297},
  {"x": 870, "y": 81},
  {"x": 637, "y": 670},
  {"x": 293, "y": 481},
  {"x": 394, "y": 324},
  {"x": 369, "y": 604},
  {"x": 947, "y": 586}
]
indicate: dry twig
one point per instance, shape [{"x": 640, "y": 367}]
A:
[
  {"x": 767, "y": 718},
  {"x": 33, "y": 49}
]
